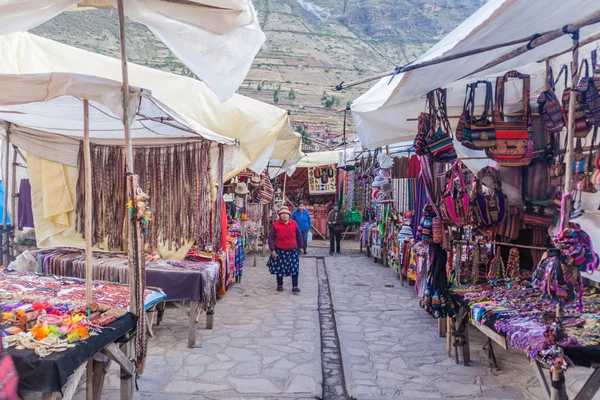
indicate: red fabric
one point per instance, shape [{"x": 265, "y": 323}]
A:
[
  {"x": 285, "y": 235},
  {"x": 223, "y": 226},
  {"x": 414, "y": 167}
]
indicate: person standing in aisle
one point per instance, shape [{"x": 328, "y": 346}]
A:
[
  {"x": 335, "y": 222},
  {"x": 285, "y": 242},
  {"x": 302, "y": 218}
]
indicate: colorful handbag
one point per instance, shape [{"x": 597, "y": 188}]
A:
[
  {"x": 440, "y": 146},
  {"x": 514, "y": 139},
  {"x": 511, "y": 225},
  {"x": 455, "y": 203},
  {"x": 582, "y": 127},
  {"x": 490, "y": 209},
  {"x": 550, "y": 108},
  {"x": 476, "y": 133},
  {"x": 265, "y": 191},
  {"x": 589, "y": 96},
  {"x": 437, "y": 230}
]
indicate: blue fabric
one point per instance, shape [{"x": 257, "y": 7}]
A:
[
  {"x": 302, "y": 219},
  {"x": 2, "y": 204},
  {"x": 287, "y": 263}
]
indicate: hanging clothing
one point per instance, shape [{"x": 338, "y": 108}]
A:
[
  {"x": 414, "y": 167},
  {"x": 2, "y": 204},
  {"x": 25, "y": 208}
]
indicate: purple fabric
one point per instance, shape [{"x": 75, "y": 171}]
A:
[
  {"x": 25, "y": 211},
  {"x": 299, "y": 240},
  {"x": 177, "y": 285}
]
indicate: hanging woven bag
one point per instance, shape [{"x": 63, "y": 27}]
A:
[
  {"x": 582, "y": 127},
  {"x": 514, "y": 139},
  {"x": 490, "y": 208},
  {"x": 590, "y": 97},
  {"x": 455, "y": 202},
  {"x": 550, "y": 108}
]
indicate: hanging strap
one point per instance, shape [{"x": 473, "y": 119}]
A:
[
  {"x": 591, "y": 155},
  {"x": 564, "y": 69},
  {"x": 500, "y": 81},
  {"x": 442, "y": 111},
  {"x": 550, "y": 78}
]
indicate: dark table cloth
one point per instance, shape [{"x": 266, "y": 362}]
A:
[
  {"x": 51, "y": 373},
  {"x": 177, "y": 285},
  {"x": 582, "y": 356}
]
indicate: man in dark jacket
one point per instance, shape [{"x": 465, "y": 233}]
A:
[{"x": 335, "y": 222}]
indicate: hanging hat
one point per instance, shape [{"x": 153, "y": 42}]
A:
[
  {"x": 284, "y": 210},
  {"x": 385, "y": 161},
  {"x": 386, "y": 188},
  {"x": 241, "y": 188},
  {"x": 384, "y": 173},
  {"x": 255, "y": 180},
  {"x": 405, "y": 233},
  {"x": 379, "y": 181}
]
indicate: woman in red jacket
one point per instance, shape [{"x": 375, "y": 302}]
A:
[{"x": 285, "y": 241}]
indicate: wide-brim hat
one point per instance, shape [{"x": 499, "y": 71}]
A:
[
  {"x": 284, "y": 210},
  {"x": 255, "y": 181},
  {"x": 385, "y": 161},
  {"x": 241, "y": 188},
  {"x": 386, "y": 188},
  {"x": 379, "y": 181}
]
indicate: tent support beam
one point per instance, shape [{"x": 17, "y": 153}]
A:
[
  {"x": 88, "y": 203},
  {"x": 570, "y": 29},
  {"x": 435, "y": 61}
]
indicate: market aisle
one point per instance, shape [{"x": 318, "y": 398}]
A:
[
  {"x": 391, "y": 348},
  {"x": 264, "y": 345}
]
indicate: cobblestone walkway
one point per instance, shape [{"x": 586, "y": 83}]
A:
[
  {"x": 267, "y": 345},
  {"x": 391, "y": 348}
]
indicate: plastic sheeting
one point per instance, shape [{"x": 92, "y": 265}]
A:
[
  {"x": 254, "y": 124},
  {"x": 217, "y": 40},
  {"x": 381, "y": 114}
]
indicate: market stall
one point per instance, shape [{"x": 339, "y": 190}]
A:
[
  {"x": 52, "y": 332},
  {"x": 507, "y": 167}
]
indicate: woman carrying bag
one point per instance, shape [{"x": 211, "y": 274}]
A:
[{"x": 285, "y": 242}]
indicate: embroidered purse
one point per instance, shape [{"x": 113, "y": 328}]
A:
[
  {"x": 490, "y": 209},
  {"x": 476, "y": 133},
  {"x": 455, "y": 203},
  {"x": 514, "y": 139}
]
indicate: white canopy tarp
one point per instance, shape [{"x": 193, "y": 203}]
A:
[
  {"x": 261, "y": 130},
  {"x": 217, "y": 40},
  {"x": 381, "y": 114},
  {"x": 46, "y": 113},
  {"x": 310, "y": 160}
]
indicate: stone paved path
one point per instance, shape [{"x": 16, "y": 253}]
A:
[
  {"x": 267, "y": 345},
  {"x": 264, "y": 344},
  {"x": 391, "y": 348}
]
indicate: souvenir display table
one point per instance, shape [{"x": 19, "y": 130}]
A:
[
  {"x": 517, "y": 315},
  {"x": 192, "y": 281},
  {"x": 50, "y": 334}
]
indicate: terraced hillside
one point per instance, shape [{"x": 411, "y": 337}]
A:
[{"x": 311, "y": 46}]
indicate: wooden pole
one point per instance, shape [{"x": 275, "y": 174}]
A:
[
  {"x": 88, "y": 203},
  {"x": 127, "y": 386},
  {"x": 284, "y": 185},
  {"x": 6, "y": 260},
  {"x": 15, "y": 197},
  {"x": 566, "y": 206}
]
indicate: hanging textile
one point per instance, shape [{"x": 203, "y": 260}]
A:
[
  {"x": 25, "y": 208},
  {"x": 322, "y": 180},
  {"x": 177, "y": 181}
]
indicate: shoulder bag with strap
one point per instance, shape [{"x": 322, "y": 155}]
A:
[
  {"x": 483, "y": 134},
  {"x": 455, "y": 203},
  {"x": 440, "y": 146},
  {"x": 514, "y": 139},
  {"x": 589, "y": 96},
  {"x": 550, "y": 108},
  {"x": 425, "y": 125},
  {"x": 582, "y": 127},
  {"x": 490, "y": 209}
]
